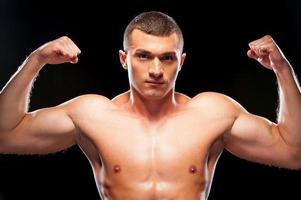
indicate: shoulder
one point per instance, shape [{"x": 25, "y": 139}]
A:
[
  {"x": 87, "y": 102},
  {"x": 214, "y": 101},
  {"x": 182, "y": 98},
  {"x": 89, "y": 98},
  {"x": 213, "y": 98}
]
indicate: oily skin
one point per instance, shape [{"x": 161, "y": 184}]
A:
[
  {"x": 166, "y": 155},
  {"x": 152, "y": 142}
]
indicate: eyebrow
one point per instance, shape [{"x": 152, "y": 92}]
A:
[{"x": 142, "y": 51}]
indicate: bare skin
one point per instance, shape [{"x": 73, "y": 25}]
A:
[{"x": 152, "y": 142}]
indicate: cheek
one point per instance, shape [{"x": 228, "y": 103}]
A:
[
  {"x": 136, "y": 72},
  {"x": 172, "y": 73}
]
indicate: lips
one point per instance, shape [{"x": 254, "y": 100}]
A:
[{"x": 154, "y": 82}]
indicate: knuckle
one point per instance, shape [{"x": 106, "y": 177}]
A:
[
  {"x": 63, "y": 40},
  {"x": 65, "y": 37},
  {"x": 268, "y": 38}
]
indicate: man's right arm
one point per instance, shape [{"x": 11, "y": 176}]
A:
[{"x": 42, "y": 131}]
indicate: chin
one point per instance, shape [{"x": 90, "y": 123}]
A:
[{"x": 154, "y": 95}]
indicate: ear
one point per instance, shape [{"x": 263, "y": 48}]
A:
[
  {"x": 183, "y": 56},
  {"x": 122, "y": 58}
]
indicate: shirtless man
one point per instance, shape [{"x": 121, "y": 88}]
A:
[{"x": 152, "y": 142}]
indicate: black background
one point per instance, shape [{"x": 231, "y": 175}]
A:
[{"x": 216, "y": 41}]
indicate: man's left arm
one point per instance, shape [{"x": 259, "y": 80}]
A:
[{"x": 257, "y": 139}]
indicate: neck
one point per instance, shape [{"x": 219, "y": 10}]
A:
[{"x": 152, "y": 109}]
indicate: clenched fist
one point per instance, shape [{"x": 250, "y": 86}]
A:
[
  {"x": 268, "y": 54},
  {"x": 58, "y": 51}
]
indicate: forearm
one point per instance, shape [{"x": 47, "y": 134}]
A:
[
  {"x": 14, "y": 97},
  {"x": 289, "y": 116}
]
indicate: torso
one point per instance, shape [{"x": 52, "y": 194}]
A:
[{"x": 173, "y": 159}]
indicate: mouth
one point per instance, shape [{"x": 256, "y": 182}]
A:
[{"x": 152, "y": 82}]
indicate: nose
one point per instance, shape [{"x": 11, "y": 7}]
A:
[{"x": 156, "y": 70}]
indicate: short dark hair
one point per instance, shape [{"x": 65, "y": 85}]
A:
[{"x": 153, "y": 23}]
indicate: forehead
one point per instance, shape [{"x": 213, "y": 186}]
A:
[{"x": 152, "y": 43}]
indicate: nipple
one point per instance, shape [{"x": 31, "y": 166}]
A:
[
  {"x": 116, "y": 168},
  {"x": 192, "y": 169}
]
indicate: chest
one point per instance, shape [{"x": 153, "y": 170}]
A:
[{"x": 173, "y": 145}]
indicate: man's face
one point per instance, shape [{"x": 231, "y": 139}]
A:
[{"x": 153, "y": 63}]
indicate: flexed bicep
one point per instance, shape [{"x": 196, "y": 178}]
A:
[
  {"x": 257, "y": 139},
  {"x": 40, "y": 132}
]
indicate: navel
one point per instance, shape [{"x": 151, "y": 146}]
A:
[
  {"x": 192, "y": 169},
  {"x": 116, "y": 168}
]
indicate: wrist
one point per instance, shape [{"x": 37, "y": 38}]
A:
[
  {"x": 285, "y": 74},
  {"x": 284, "y": 69},
  {"x": 35, "y": 59}
]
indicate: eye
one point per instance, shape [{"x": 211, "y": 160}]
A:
[
  {"x": 143, "y": 56},
  {"x": 167, "y": 58}
]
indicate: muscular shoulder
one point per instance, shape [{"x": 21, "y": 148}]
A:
[
  {"x": 88, "y": 102},
  {"x": 216, "y": 103}
]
